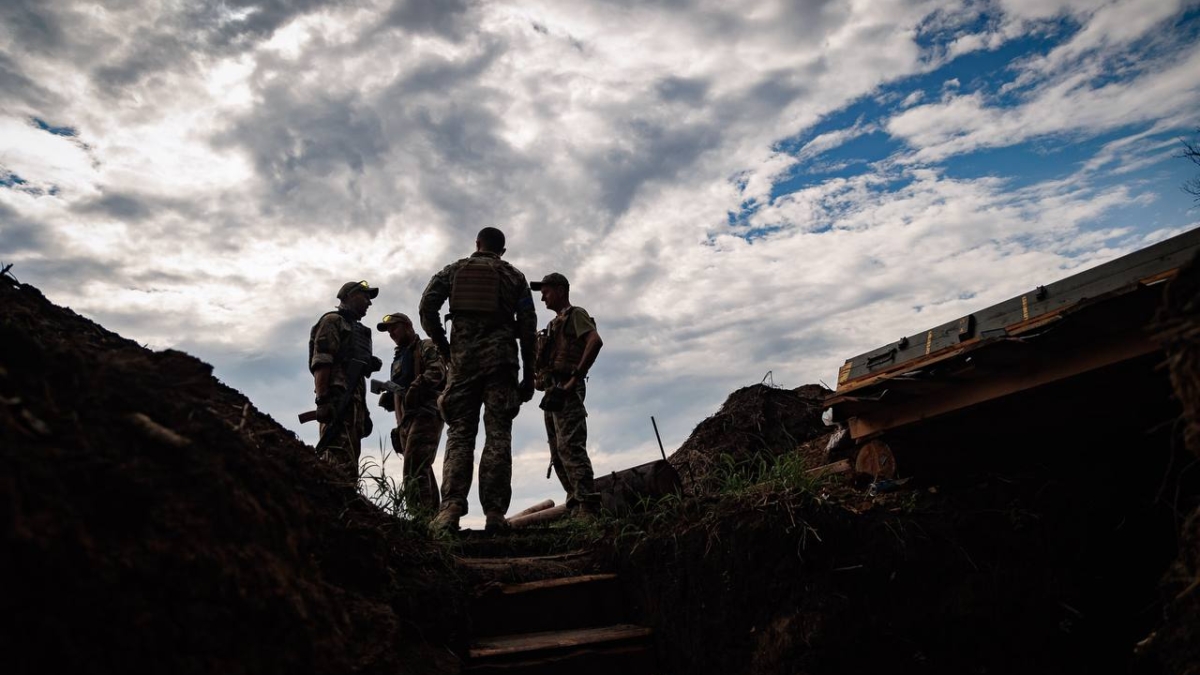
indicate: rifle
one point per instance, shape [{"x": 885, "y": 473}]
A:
[{"x": 353, "y": 374}]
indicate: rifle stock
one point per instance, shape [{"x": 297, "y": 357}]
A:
[{"x": 306, "y": 417}]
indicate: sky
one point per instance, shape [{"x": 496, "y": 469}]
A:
[{"x": 738, "y": 192}]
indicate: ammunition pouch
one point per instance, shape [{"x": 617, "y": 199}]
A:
[
  {"x": 397, "y": 441},
  {"x": 368, "y": 425},
  {"x": 554, "y": 400}
]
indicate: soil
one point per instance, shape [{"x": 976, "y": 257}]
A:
[
  {"x": 755, "y": 423},
  {"x": 154, "y": 520},
  {"x": 1177, "y": 640},
  {"x": 1032, "y": 549}
]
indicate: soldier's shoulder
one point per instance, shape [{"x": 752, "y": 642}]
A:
[
  {"x": 330, "y": 319},
  {"x": 452, "y": 267}
]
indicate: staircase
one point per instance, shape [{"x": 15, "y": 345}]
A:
[{"x": 537, "y": 614}]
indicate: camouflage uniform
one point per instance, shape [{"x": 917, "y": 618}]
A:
[
  {"x": 566, "y": 429},
  {"x": 334, "y": 341},
  {"x": 418, "y": 370},
  {"x": 483, "y": 371}
]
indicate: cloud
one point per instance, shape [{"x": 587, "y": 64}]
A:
[{"x": 234, "y": 163}]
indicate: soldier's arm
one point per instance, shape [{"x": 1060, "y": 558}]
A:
[
  {"x": 434, "y": 372},
  {"x": 526, "y": 326},
  {"x": 431, "y": 305},
  {"x": 591, "y": 349},
  {"x": 326, "y": 344}
]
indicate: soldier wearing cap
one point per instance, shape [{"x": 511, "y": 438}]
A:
[
  {"x": 336, "y": 341},
  {"x": 567, "y": 349},
  {"x": 419, "y": 376},
  {"x": 491, "y": 310}
]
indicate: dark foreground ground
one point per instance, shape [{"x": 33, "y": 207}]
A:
[{"x": 154, "y": 521}]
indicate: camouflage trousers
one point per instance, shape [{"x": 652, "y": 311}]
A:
[
  {"x": 421, "y": 435},
  {"x": 566, "y": 430},
  {"x": 496, "y": 390},
  {"x": 345, "y": 447}
]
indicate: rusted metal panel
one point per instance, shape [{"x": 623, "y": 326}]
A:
[{"x": 1021, "y": 314}]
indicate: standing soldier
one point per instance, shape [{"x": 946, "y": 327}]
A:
[
  {"x": 340, "y": 360},
  {"x": 485, "y": 294},
  {"x": 419, "y": 376},
  {"x": 566, "y": 351}
]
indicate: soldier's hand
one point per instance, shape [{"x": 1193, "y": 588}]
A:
[
  {"x": 374, "y": 365},
  {"x": 387, "y": 401},
  {"x": 526, "y": 389}
]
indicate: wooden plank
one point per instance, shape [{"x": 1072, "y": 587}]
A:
[
  {"x": 561, "y": 582},
  {"x": 840, "y": 466},
  {"x": 960, "y": 394},
  {"x": 1021, "y": 313},
  {"x": 533, "y": 642}
]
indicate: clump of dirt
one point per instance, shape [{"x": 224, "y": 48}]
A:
[
  {"x": 153, "y": 520},
  {"x": 756, "y": 422},
  {"x": 1178, "y": 322}
]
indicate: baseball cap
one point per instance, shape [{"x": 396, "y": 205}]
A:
[
  {"x": 351, "y": 286},
  {"x": 394, "y": 318},
  {"x": 552, "y": 279}
]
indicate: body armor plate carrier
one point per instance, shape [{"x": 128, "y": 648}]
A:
[
  {"x": 476, "y": 289},
  {"x": 567, "y": 350}
]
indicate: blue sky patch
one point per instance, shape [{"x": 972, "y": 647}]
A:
[{"x": 69, "y": 132}]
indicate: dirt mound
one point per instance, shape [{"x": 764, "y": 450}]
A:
[
  {"x": 1178, "y": 640},
  {"x": 154, "y": 520},
  {"x": 754, "y": 422}
]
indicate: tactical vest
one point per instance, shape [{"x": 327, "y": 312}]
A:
[
  {"x": 407, "y": 365},
  {"x": 567, "y": 351},
  {"x": 476, "y": 289},
  {"x": 356, "y": 345}
]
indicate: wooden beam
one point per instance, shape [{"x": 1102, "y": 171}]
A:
[{"x": 959, "y": 394}]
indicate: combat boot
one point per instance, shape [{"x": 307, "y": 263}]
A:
[
  {"x": 496, "y": 522},
  {"x": 446, "y": 520}
]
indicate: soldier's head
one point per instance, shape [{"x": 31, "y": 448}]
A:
[
  {"x": 491, "y": 240},
  {"x": 355, "y": 297},
  {"x": 399, "y": 327},
  {"x": 556, "y": 291}
]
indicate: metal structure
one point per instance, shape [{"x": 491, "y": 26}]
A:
[{"x": 1085, "y": 322}]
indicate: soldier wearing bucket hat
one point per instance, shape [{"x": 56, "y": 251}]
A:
[
  {"x": 335, "y": 344},
  {"x": 567, "y": 348},
  {"x": 419, "y": 376}
]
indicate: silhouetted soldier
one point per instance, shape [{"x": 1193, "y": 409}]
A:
[
  {"x": 419, "y": 376},
  {"x": 340, "y": 360},
  {"x": 491, "y": 309},
  {"x": 566, "y": 351}
]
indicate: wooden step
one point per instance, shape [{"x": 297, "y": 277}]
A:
[
  {"x": 551, "y": 604},
  {"x": 623, "y": 648},
  {"x": 532, "y": 568},
  {"x": 618, "y": 660}
]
